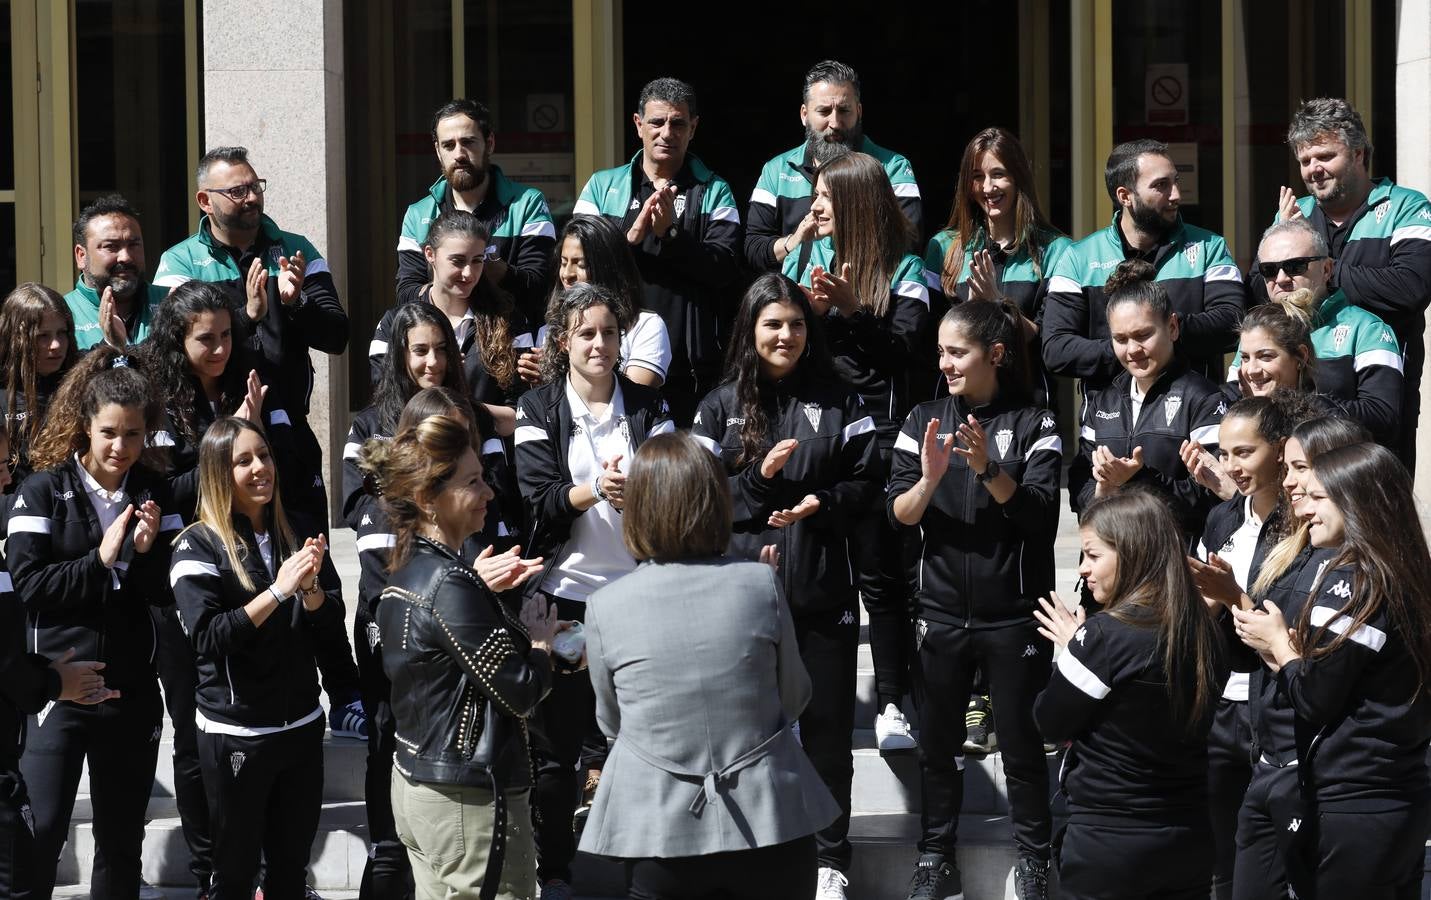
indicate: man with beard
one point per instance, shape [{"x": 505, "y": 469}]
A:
[
  {"x": 111, "y": 300},
  {"x": 516, "y": 215},
  {"x": 1378, "y": 232},
  {"x": 282, "y": 287},
  {"x": 1201, "y": 279},
  {"x": 778, "y": 219},
  {"x": 682, "y": 225}
]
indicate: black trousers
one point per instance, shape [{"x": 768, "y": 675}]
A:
[
  {"x": 388, "y": 873},
  {"x": 119, "y": 739},
  {"x": 17, "y": 842},
  {"x": 1368, "y": 855},
  {"x": 782, "y": 872},
  {"x": 1267, "y": 841},
  {"x": 879, "y": 555},
  {"x": 558, "y": 730},
  {"x": 265, "y": 795},
  {"x": 829, "y": 642},
  {"x": 180, "y": 677},
  {"x": 1229, "y": 769},
  {"x": 1139, "y": 860},
  {"x": 1016, "y": 662}
]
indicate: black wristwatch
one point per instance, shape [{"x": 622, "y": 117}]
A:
[
  {"x": 671, "y": 232},
  {"x": 989, "y": 474}
]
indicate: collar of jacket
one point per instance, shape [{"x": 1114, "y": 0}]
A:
[
  {"x": 504, "y": 188},
  {"x": 1172, "y": 242},
  {"x": 1328, "y": 309},
  {"x": 266, "y": 228},
  {"x": 1175, "y": 370},
  {"x": 693, "y": 171},
  {"x": 961, "y": 408},
  {"x": 92, "y": 298}
]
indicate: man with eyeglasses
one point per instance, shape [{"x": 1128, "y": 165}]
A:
[
  {"x": 682, "y": 225},
  {"x": 1378, "y": 234},
  {"x": 1356, "y": 359},
  {"x": 516, "y": 215},
  {"x": 777, "y": 221},
  {"x": 1193, "y": 265}
]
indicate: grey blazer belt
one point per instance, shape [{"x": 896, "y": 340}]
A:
[{"x": 710, "y": 781}]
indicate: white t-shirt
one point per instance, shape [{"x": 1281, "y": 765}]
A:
[
  {"x": 595, "y": 553},
  {"x": 647, "y": 344},
  {"x": 1238, "y": 551},
  {"x": 1136, "y": 396}
]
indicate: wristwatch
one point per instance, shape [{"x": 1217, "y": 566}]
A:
[
  {"x": 671, "y": 232},
  {"x": 989, "y": 473}
]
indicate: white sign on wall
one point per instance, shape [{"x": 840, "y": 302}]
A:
[{"x": 1165, "y": 94}]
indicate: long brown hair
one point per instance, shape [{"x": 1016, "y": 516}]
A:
[
  {"x": 21, "y": 315},
  {"x": 411, "y": 470},
  {"x": 871, "y": 232},
  {"x": 1154, "y": 588},
  {"x": 1384, "y": 543},
  {"x": 216, "y": 497},
  {"x": 967, "y": 221}
]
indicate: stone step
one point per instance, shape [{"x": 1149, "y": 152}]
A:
[{"x": 890, "y": 783}]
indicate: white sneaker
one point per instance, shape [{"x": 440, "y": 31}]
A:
[
  {"x": 892, "y": 731},
  {"x": 831, "y": 884}
]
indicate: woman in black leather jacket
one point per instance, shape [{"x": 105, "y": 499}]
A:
[{"x": 465, "y": 672}]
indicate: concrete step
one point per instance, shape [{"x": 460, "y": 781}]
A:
[{"x": 890, "y": 783}]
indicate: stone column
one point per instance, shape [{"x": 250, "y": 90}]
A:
[
  {"x": 273, "y": 82},
  {"x": 1413, "y": 159}
]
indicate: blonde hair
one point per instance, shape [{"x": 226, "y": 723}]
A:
[{"x": 216, "y": 497}]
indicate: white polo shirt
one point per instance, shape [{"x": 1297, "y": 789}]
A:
[
  {"x": 107, "y": 507},
  {"x": 1237, "y": 551},
  {"x": 595, "y": 554}
]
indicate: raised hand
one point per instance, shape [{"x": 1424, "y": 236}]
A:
[
  {"x": 613, "y": 482},
  {"x": 776, "y": 458},
  {"x": 529, "y": 366},
  {"x": 976, "y": 445},
  {"x": 770, "y": 555},
  {"x": 1287, "y": 208},
  {"x": 113, "y": 539},
  {"x": 80, "y": 681},
  {"x": 981, "y": 282},
  {"x": 111, "y": 323},
  {"x": 664, "y": 212},
  {"x": 1055, "y": 622},
  {"x": 1215, "y": 580},
  {"x": 1206, "y": 470},
  {"x": 255, "y": 288},
  {"x": 504, "y": 571},
  {"x": 934, "y": 453},
  {"x": 252, "y": 406},
  {"x": 290, "y": 277},
  {"x": 540, "y": 619},
  {"x": 837, "y": 289},
  {"x": 808, "y": 506},
  {"x": 148, "y": 528}
]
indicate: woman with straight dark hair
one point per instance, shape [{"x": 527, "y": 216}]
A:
[
  {"x": 986, "y": 510},
  {"x": 1133, "y": 690},
  {"x": 577, "y": 436},
  {"x": 260, "y": 602},
  {"x": 37, "y": 348},
  {"x": 706, "y": 793},
  {"x": 1353, "y": 664},
  {"x": 88, "y": 549},
  {"x": 466, "y": 672},
  {"x": 869, "y": 293},
  {"x": 998, "y": 243},
  {"x": 804, "y": 468},
  {"x": 490, "y": 330},
  {"x": 592, "y": 250}
]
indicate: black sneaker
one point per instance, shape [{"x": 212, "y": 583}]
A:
[
  {"x": 1031, "y": 879},
  {"x": 978, "y": 721},
  {"x": 935, "y": 878}
]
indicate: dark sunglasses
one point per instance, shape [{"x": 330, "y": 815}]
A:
[{"x": 1293, "y": 267}]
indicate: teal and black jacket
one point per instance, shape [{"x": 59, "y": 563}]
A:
[
  {"x": 1203, "y": 283},
  {"x": 84, "y": 307},
  {"x": 522, "y": 236},
  {"x": 786, "y": 187},
  {"x": 690, "y": 278},
  {"x": 1358, "y": 365}
]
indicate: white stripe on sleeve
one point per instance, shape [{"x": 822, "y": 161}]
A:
[
  {"x": 539, "y": 229},
  {"x": 407, "y": 243},
  {"x": 1222, "y": 273},
  {"x": 350, "y": 450},
  {"x": 1411, "y": 233},
  {"x": 493, "y": 445},
  {"x": 6, "y": 587},
  {"x": 171, "y": 280},
  {"x": 1368, "y": 358},
  {"x": 916, "y": 290},
  {"x": 906, "y": 189},
  {"x": 529, "y": 433},
  {"x": 907, "y": 444},
  {"x": 315, "y": 266},
  {"x": 29, "y": 525},
  {"x": 279, "y": 417},
  {"x": 186, "y": 567},
  {"x": 172, "y": 522},
  {"x": 585, "y": 208},
  {"x": 376, "y": 542},
  {"x": 1062, "y": 284},
  {"x": 1080, "y": 676},
  {"x": 1052, "y": 442},
  {"x": 1371, "y": 638},
  {"x": 377, "y": 348},
  {"x": 1088, "y": 434},
  {"x": 663, "y": 427},
  {"x": 1206, "y": 435},
  {"x": 725, "y": 214},
  {"x": 161, "y": 439},
  {"x": 761, "y": 195},
  {"x": 855, "y": 429},
  {"x": 707, "y": 443}
]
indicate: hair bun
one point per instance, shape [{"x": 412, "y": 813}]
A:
[{"x": 1130, "y": 272}]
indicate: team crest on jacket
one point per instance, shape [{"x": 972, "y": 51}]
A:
[
  {"x": 1171, "y": 405},
  {"x": 812, "y": 415},
  {"x": 1339, "y": 336},
  {"x": 1002, "y": 438},
  {"x": 1381, "y": 212},
  {"x": 1191, "y": 251},
  {"x": 236, "y": 761},
  {"x": 680, "y": 205},
  {"x": 919, "y": 634}
]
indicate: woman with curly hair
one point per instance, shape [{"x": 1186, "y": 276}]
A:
[
  {"x": 37, "y": 348},
  {"x": 490, "y": 330},
  {"x": 88, "y": 548}
]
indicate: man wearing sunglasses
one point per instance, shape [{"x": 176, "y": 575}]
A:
[
  {"x": 1356, "y": 359},
  {"x": 1378, "y": 236}
]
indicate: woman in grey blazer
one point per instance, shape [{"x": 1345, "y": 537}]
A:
[{"x": 697, "y": 676}]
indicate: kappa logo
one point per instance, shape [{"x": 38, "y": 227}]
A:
[
  {"x": 847, "y": 618},
  {"x": 1030, "y": 650},
  {"x": 1227, "y": 547},
  {"x": 1387, "y": 336},
  {"x": 812, "y": 415},
  {"x": 20, "y": 503},
  {"x": 1002, "y": 438},
  {"x": 1170, "y": 408},
  {"x": 521, "y": 413},
  {"x": 184, "y": 544},
  {"x": 1192, "y": 252},
  {"x": 697, "y": 419},
  {"x": 236, "y": 761},
  {"x": 635, "y": 203},
  {"x": 158, "y": 733},
  {"x": 367, "y": 520},
  {"x": 1104, "y": 414},
  {"x": 1339, "y": 336},
  {"x": 1294, "y": 826},
  {"x": 1424, "y": 214},
  {"x": 1221, "y": 408},
  {"x": 1047, "y": 423},
  {"x": 1341, "y": 589},
  {"x": 1079, "y": 635},
  {"x": 919, "y": 633}
]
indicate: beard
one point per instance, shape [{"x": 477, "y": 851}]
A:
[
  {"x": 123, "y": 281},
  {"x": 1149, "y": 221},
  {"x": 240, "y": 218},
  {"x": 1333, "y": 193},
  {"x": 830, "y": 144},
  {"x": 462, "y": 177}
]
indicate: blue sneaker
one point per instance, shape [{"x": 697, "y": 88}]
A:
[{"x": 349, "y": 721}]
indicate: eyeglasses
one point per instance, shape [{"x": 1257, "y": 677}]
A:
[
  {"x": 1295, "y": 266},
  {"x": 239, "y": 192}
]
